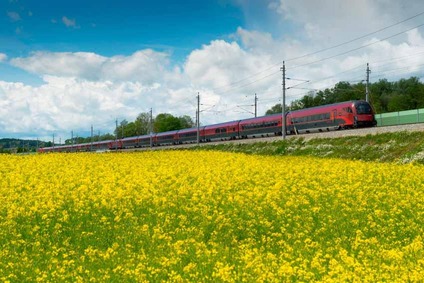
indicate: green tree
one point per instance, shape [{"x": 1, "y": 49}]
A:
[
  {"x": 120, "y": 131},
  {"x": 412, "y": 91},
  {"x": 130, "y": 130},
  {"x": 379, "y": 95},
  {"x": 397, "y": 102},
  {"x": 274, "y": 109},
  {"x": 186, "y": 122},
  {"x": 142, "y": 123},
  {"x": 166, "y": 122}
]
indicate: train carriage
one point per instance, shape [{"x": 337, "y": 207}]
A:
[
  {"x": 115, "y": 144},
  {"x": 145, "y": 140},
  {"x": 166, "y": 138},
  {"x": 261, "y": 126},
  {"x": 130, "y": 142},
  {"x": 137, "y": 141},
  {"x": 223, "y": 131},
  {"x": 190, "y": 135},
  {"x": 100, "y": 145},
  {"x": 343, "y": 115}
]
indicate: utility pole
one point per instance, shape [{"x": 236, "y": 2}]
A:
[
  {"x": 72, "y": 140},
  {"x": 53, "y": 140},
  {"x": 91, "y": 146},
  {"x": 366, "y": 86},
  {"x": 256, "y": 105},
  {"x": 151, "y": 127},
  {"x": 116, "y": 136},
  {"x": 283, "y": 103},
  {"x": 198, "y": 119}
]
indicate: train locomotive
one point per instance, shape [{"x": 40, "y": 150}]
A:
[{"x": 344, "y": 115}]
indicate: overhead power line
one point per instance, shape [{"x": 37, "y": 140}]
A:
[
  {"x": 355, "y": 39},
  {"x": 313, "y": 53},
  {"x": 355, "y": 49}
]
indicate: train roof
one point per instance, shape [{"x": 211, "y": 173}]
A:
[
  {"x": 136, "y": 137},
  {"x": 261, "y": 118},
  {"x": 194, "y": 129},
  {"x": 231, "y": 123},
  {"x": 338, "y": 104},
  {"x": 166, "y": 133}
]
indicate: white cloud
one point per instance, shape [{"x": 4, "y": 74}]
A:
[
  {"x": 64, "y": 104},
  {"x": 329, "y": 22},
  {"x": 66, "y": 64},
  {"x": 3, "y": 57},
  {"x": 13, "y": 16},
  {"x": 221, "y": 63},
  {"x": 69, "y": 22},
  {"x": 145, "y": 66},
  {"x": 81, "y": 89}
]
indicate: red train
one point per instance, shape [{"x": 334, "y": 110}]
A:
[{"x": 344, "y": 115}]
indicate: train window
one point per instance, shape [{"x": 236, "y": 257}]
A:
[{"x": 363, "y": 108}]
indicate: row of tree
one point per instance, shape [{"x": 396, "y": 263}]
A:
[
  {"x": 385, "y": 96},
  {"x": 19, "y": 146},
  {"x": 141, "y": 126}
]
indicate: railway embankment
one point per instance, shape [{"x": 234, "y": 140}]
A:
[{"x": 399, "y": 145}]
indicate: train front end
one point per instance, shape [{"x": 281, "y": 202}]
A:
[{"x": 364, "y": 114}]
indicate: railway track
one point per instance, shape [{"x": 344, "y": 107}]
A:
[{"x": 307, "y": 136}]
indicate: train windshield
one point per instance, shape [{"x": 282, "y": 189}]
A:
[{"x": 363, "y": 108}]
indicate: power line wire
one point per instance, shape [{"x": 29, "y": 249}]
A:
[
  {"x": 354, "y": 49},
  {"x": 313, "y": 53}
]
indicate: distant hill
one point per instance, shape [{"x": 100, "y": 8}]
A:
[{"x": 18, "y": 145}]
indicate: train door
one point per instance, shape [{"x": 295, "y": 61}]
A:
[{"x": 334, "y": 117}]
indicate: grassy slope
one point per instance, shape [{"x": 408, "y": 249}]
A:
[{"x": 400, "y": 147}]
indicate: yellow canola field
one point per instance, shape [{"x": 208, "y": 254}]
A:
[{"x": 201, "y": 216}]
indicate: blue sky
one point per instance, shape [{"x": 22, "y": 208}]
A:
[
  {"x": 67, "y": 65},
  {"x": 110, "y": 27},
  {"x": 114, "y": 27}
]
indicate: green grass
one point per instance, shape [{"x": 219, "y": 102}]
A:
[{"x": 400, "y": 147}]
